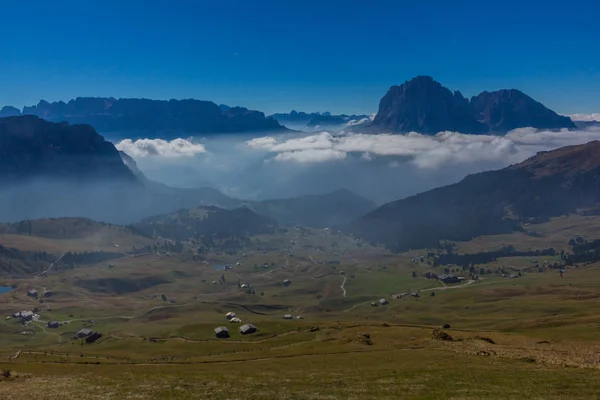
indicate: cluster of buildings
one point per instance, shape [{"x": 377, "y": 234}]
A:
[
  {"x": 290, "y": 316},
  {"x": 222, "y": 332},
  {"x": 26, "y": 316},
  {"x": 34, "y": 293},
  {"x": 396, "y": 296},
  {"x": 450, "y": 278}
]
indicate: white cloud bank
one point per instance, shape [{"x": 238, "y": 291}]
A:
[
  {"x": 162, "y": 148},
  {"x": 585, "y": 117},
  {"x": 354, "y": 122},
  {"x": 426, "y": 152}
]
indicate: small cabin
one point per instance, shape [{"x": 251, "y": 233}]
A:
[
  {"x": 84, "y": 333},
  {"x": 248, "y": 329},
  {"x": 222, "y": 332},
  {"x": 27, "y": 315},
  {"x": 93, "y": 337}
]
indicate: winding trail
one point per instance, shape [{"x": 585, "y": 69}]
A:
[
  {"x": 51, "y": 265},
  {"x": 470, "y": 282},
  {"x": 356, "y": 305},
  {"x": 342, "y": 286}
]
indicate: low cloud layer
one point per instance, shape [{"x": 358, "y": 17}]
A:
[
  {"x": 585, "y": 117},
  {"x": 381, "y": 167},
  {"x": 158, "y": 147},
  {"x": 426, "y": 152},
  {"x": 354, "y": 122}
]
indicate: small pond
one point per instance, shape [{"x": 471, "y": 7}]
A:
[{"x": 5, "y": 289}]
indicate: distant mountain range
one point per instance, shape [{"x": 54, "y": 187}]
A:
[
  {"x": 325, "y": 119},
  {"x": 423, "y": 105},
  {"x": 50, "y": 169},
  {"x": 420, "y": 105},
  {"x": 151, "y": 118},
  {"x": 554, "y": 183}
]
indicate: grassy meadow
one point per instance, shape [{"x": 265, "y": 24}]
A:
[{"x": 531, "y": 337}]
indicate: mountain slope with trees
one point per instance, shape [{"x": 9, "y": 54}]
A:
[{"x": 559, "y": 182}]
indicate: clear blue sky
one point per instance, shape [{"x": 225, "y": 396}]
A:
[{"x": 275, "y": 55}]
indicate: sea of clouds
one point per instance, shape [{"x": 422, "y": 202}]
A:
[
  {"x": 585, "y": 117},
  {"x": 382, "y": 167},
  {"x": 159, "y": 147},
  {"x": 441, "y": 150}
]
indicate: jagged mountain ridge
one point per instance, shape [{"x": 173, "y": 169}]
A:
[
  {"x": 295, "y": 118},
  {"x": 423, "y": 105},
  {"x": 155, "y": 118}
]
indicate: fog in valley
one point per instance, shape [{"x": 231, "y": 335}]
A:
[{"x": 381, "y": 167}]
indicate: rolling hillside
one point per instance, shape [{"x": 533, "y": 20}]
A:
[
  {"x": 318, "y": 211},
  {"x": 555, "y": 183},
  {"x": 200, "y": 222}
]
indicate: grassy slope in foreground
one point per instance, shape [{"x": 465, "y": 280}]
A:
[
  {"x": 388, "y": 374},
  {"x": 543, "y": 326}
]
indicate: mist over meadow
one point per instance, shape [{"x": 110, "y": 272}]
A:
[{"x": 381, "y": 167}]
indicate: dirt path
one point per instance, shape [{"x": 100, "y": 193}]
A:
[
  {"x": 470, "y": 282},
  {"x": 312, "y": 259},
  {"x": 40, "y": 324},
  {"x": 342, "y": 285},
  {"x": 51, "y": 265},
  {"x": 357, "y": 305}
]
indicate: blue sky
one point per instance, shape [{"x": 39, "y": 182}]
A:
[{"x": 326, "y": 55}]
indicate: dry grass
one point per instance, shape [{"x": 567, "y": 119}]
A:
[
  {"x": 544, "y": 328},
  {"x": 391, "y": 374}
]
